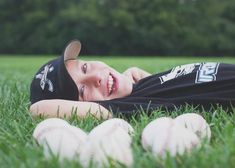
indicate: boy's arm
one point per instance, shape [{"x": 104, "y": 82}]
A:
[
  {"x": 65, "y": 108},
  {"x": 135, "y": 74}
]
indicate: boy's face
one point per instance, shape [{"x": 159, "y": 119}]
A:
[{"x": 97, "y": 81}]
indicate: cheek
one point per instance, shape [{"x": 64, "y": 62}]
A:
[
  {"x": 100, "y": 65},
  {"x": 93, "y": 95}
]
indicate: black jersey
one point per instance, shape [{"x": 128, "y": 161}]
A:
[{"x": 200, "y": 84}]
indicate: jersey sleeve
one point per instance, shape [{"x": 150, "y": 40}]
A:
[{"x": 132, "y": 105}]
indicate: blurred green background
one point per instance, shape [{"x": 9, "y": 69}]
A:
[{"x": 119, "y": 27}]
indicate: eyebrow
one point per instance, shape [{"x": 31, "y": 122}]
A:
[{"x": 79, "y": 67}]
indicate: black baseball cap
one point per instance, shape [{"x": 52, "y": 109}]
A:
[{"x": 52, "y": 81}]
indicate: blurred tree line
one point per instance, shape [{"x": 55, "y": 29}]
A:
[{"x": 119, "y": 27}]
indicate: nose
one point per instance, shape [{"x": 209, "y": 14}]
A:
[{"x": 93, "y": 79}]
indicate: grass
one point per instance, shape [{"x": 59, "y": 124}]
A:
[{"x": 18, "y": 149}]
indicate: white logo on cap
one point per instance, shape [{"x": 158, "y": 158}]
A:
[{"x": 43, "y": 77}]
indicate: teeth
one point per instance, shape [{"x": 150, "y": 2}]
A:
[{"x": 110, "y": 83}]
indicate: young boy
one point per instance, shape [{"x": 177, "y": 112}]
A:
[{"x": 68, "y": 83}]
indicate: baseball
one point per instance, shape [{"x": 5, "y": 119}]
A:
[
  {"x": 112, "y": 148},
  {"x": 57, "y": 137},
  {"x": 164, "y": 135},
  {"x": 149, "y": 132},
  {"x": 51, "y": 122},
  {"x": 104, "y": 128},
  {"x": 195, "y": 123}
]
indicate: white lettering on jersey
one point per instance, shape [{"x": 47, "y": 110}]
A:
[
  {"x": 43, "y": 77},
  {"x": 207, "y": 72},
  {"x": 178, "y": 71}
]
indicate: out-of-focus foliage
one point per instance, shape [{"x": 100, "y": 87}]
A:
[{"x": 119, "y": 27}]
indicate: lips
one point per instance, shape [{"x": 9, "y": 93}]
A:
[{"x": 111, "y": 84}]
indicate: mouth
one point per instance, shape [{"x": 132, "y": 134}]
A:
[{"x": 111, "y": 84}]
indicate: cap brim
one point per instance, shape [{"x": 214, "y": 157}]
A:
[
  {"x": 67, "y": 85},
  {"x": 72, "y": 50}
]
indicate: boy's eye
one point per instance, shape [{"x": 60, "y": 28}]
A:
[
  {"x": 81, "y": 91},
  {"x": 84, "y": 68}
]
